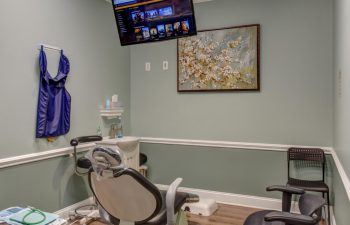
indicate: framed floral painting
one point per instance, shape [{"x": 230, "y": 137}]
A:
[{"x": 220, "y": 60}]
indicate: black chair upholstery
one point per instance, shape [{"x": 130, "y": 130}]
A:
[
  {"x": 316, "y": 158},
  {"x": 310, "y": 207}
]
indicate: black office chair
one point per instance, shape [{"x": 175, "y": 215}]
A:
[
  {"x": 124, "y": 194},
  {"x": 310, "y": 207},
  {"x": 313, "y": 157}
]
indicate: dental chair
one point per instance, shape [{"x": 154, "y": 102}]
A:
[
  {"x": 123, "y": 194},
  {"x": 310, "y": 207}
]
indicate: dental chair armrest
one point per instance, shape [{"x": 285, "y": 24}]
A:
[
  {"x": 170, "y": 201},
  {"x": 285, "y": 189},
  {"x": 289, "y": 218}
]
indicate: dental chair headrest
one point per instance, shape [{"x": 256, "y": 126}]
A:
[
  {"x": 105, "y": 159},
  {"x": 107, "y": 156}
]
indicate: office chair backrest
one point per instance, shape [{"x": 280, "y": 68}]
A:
[
  {"x": 314, "y": 155},
  {"x": 127, "y": 195}
]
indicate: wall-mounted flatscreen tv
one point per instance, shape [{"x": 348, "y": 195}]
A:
[{"x": 141, "y": 21}]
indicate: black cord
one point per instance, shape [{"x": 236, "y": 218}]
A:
[{"x": 80, "y": 207}]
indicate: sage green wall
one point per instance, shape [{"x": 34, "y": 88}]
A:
[
  {"x": 49, "y": 185},
  {"x": 342, "y": 105},
  {"x": 295, "y": 103},
  {"x": 86, "y": 30},
  {"x": 341, "y": 201},
  {"x": 239, "y": 171},
  {"x": 244, "y": 171}
]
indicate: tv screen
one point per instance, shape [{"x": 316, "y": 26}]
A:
[{"x": 141, "y": 21}]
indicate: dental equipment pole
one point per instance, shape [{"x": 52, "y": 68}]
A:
[{"x": 74, "y": 142}]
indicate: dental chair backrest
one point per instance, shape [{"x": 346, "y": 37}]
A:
[{"x": 122, "y": 192}]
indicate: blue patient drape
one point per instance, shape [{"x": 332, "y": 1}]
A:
[{"x": 54, "y": 102}]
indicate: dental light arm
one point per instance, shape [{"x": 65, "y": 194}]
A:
[
  {"x": 84, "y": 139},
  {"x": 170, "y": 201}
]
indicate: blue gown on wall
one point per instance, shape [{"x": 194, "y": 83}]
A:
[{"x": 54, "y": 102}]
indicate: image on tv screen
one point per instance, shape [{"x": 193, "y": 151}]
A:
[
  {"x": 138, "y": 33},
  {"x": 138, "y": 16},
  {"x": 153, "y": 13},
  {"x": 177, "y": 28},
  {"x": 124, "y": 2},
  {"x": 141, "y": 21},
  {"x": 161, "y": 30},
  {"x": 145, "y": 33},
  {"x": 154, "y": 33},
  {"x": 167, "y": 11},
  {"x": 169, "y": 30},
  {"x": 185, "y": 27}
]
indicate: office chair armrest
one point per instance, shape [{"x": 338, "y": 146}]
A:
[
  {"x": 170, "y": 201},
  {"x": 289, "y": 218},
  {"x": 285, "y": 189}
]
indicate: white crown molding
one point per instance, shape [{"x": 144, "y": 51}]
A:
[
  {"x": 228, "y": 144},
  {"x": 34, "y": 157}
]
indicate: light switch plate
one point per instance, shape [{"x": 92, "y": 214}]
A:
[
  {"x": 165, "y": 65},
  {"x": 147, "y": 66}
]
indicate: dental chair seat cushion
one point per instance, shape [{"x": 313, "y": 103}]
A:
[
  {"x": 161, "y": 218},
  {"x": 257, "y": 218}
]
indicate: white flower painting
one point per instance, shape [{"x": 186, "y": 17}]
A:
[{"x": 220, "y": 60}]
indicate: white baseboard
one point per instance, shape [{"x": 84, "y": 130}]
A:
[
  {"x": 220, "y": 197},
  {"x": 333, "y": 222},
  {"x": 243, "y": 200},
  {"x": 235, "y": 199},
  {"x": 64, "y": 213},
  {"x": 344, "y": 177}
]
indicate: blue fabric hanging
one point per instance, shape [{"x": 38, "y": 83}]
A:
[{"x": 54, "y": 102}]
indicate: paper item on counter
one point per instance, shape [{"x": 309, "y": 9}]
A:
[
  {"x": 4, "y": 214},
  {"x": 18, "y": 217}
]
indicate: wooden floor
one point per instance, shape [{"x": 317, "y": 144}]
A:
[{"x": 225, "y": 215}]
